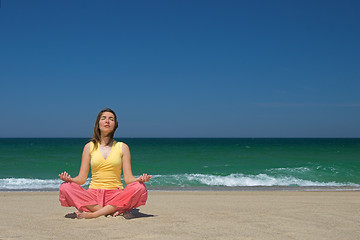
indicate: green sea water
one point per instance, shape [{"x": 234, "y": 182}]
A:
[{"x": 189, "y": 163}]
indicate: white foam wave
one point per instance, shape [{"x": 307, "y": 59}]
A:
[
  {"x": 184, "y": 180},
  {"x": 241, "y": 180},
  {"x": 29, "y": 184}
]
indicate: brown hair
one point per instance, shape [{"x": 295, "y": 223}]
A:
[{"x": 97, "y": 135}]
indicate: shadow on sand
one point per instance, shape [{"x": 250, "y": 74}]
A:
[{"x": 135, "y": 213}]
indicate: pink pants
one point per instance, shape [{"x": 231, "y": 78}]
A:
[{"x": 73, "y": 195}]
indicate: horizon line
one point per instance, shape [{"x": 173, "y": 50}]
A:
[{"x": 183, "y": 137}]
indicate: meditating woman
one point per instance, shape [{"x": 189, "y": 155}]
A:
[{"x": 107, "y": 158}]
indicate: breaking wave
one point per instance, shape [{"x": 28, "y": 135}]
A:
[
  {"x": 238, "y": 180},
  {"x": 184, "y": 180}
]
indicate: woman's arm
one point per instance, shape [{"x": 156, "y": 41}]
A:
[
  {"x": 84, "y": 168},
  {"x": 126, "y": 163}
]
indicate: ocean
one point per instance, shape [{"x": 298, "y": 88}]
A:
[{"x": 33, "y": 164}]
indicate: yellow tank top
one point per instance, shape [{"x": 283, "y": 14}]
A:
[{"x": 106, "y": 173}]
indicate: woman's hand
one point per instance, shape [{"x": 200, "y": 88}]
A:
[
  {"x": 65, "y": 177},
  {"x": 144, "y": 178}
]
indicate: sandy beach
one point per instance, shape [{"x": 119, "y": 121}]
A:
[{"x": 191, "y": 215}]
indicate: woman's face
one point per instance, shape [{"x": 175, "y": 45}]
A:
[{"x": 107, "y": 123}]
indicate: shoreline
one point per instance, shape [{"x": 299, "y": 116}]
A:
[{"x": 226, "y": 189}]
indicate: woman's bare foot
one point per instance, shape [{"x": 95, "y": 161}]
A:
[
  {"x": 117, "y": 213},
  {"x": 126, "y": 215},
  {"x": 86, "y": 215}
]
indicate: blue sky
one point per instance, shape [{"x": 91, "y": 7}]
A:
[{"x": 180, "y": 68}]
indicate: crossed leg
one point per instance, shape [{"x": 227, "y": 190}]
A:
[
  {"x": 96, "y": 211},
  {"x": 94, "y": 208}
]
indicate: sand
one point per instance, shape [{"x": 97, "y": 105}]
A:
[{"x": 191, "y": 215}]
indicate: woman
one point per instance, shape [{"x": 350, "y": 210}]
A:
[{"x": 106, "y": 194}]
